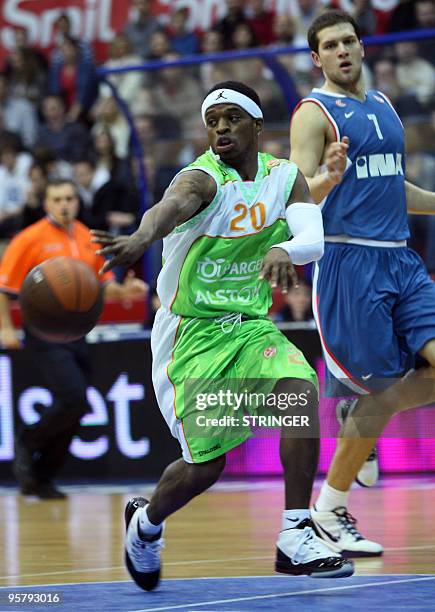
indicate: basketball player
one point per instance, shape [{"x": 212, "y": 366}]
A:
[
  {"x": 373, "y": 301},
  {"x": 42, "y": 448},
  {"x": 225, "y": 218}
]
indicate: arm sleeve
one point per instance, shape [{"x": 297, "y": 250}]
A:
[
  {"x": 16, "y": 262},
  {"x": 306, "y": 225}
]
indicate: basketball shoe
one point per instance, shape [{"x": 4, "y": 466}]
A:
[
  {"x": 338, "y": 529},
  {"x": 300, "y": 551},
  {"x": 369, "y": 472},
  {"x": 142, "y": 554}
]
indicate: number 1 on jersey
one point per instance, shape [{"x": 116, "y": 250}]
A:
[{"x": 377, "y": 128}]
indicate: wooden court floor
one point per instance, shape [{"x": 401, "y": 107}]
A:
[{"x": 228, "y": 531}]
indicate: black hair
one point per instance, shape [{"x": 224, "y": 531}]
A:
[
  {"x": 241, "y": 88},
  {"x": 57, "y": 182},
  {"x": 327, "y": 20}
]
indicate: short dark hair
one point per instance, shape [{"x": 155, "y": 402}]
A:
[
  {"x": 327, "y": 20},
  {"x": 241, "y": 88},
  {"x": 57, "y": 182}
]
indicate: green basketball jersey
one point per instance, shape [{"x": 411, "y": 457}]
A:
[{"x": 212, "y": 262}]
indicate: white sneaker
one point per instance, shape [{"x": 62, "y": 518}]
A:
[
  {"x": 338, "y": 529},
  {"x": 142, "y": 554},
  {"x": 369, "y": 473},
  {"x": 300, "y": 551}
]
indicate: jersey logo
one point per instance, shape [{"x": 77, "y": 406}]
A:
[
  {"x": 381, "y": 164},
  {"x": 379, "y": 99},
  {"x": 272, "y": 163},
  {"x": 347, "y": 115},
  {"x": 340, "y": 103},
  {"x": 269, "y": 352}
]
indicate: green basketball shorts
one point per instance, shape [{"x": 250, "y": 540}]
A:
[{"x": 200, "y": 364}]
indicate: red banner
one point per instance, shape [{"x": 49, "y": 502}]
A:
[{"x": 92, "y": 20}]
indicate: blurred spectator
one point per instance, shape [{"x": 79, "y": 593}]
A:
[
  {"x": 212, "y": 72},
  {"x": 9, "y": 137},
  {"x": 406, "y": 104},
  {"x": 425, "y": 14},
  {"x": 34, "y": 205},
  {"x": 89, "y": 179},
  {"x": 298, "y": 304},
  {"x": 261, "y": 21},
  {"x": 62, "y": 29},
  {"x": 72, "y": 76},
  {"x": 183, "y": 42},
  {"x": 109, "y": 117},
  {"x": 144, "y": 101},
  {"x": 146, "y": 133},
  {"x": 425, "y": 17},
  {"x": 251, "y": 71},
  {"x": 140, "y": 29},
  {"x": 54, "y": 167},
  {"x": 67, "y": 141},
  {"x": 159, "y": 45},
  {"x": 304, "y": 12},
  {"x": 26, "y": 78},
  {"x": 414, "y": 74},
  {"x": 403, "y": 17},
  {"x": 178, "y": 94},
  {"x": 284, "y": 28},
  {"x": 104, "y": 202},
  {"x": 21, "y": 43},
  {"x": 14, "y": 170},
  {"x": 18, "y": 114},
  {"x": 234, "y": 17},
  {"x": 129, "y": 83},
  {"x": 106, "y": 158},
  {"x": 365, "y": 17}
]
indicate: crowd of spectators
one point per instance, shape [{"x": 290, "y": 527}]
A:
[{"x": 58, "y": 119}]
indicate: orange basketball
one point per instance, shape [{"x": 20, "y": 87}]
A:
[{"x": 61, "y": 299}]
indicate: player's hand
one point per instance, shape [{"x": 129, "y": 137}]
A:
[
  {"x": 278, "y": 270},
  {"x": 126, "y": 250},
  {"x": 9, "y": 338},
  {"x": 336, "y": 159},
  {"x": 133, "y": 287}
]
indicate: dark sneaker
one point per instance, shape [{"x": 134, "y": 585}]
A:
[
  {"x": 369, "y": 473},
  {"x": 300, "y": 551},
  {"x": 142, "y": 554},
  {"x": 43, "y": 490}
]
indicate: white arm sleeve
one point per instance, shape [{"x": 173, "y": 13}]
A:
[{"x": 306, "y": 225}]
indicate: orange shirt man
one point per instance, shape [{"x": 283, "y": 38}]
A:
[
  {"x": 41, "y": 448},
  {"x": 58, "y": 234}
]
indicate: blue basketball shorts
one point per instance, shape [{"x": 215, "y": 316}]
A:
[{"x": 375, "y": 309}]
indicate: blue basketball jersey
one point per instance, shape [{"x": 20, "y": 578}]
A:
[{"x": 370, "y": 201}]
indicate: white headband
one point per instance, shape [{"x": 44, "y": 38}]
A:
[{"x": 229, "y": 96}]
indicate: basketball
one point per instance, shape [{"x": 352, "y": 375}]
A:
[{"x": 61, "y": 299}]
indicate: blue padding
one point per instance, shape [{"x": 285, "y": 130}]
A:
[{"x": 269, "y": 593}]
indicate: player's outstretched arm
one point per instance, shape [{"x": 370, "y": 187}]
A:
[
  {"x": 181, "y": 201},
  {"x": 419, "y": 201},
  {"x": 309, "y": 133},
  {"x": 305, "y": 223}
]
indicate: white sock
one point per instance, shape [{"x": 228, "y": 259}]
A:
[
  {"x": 330, "y": 498},
  {"x": 292, "y": 518},
  {"x": 146, "y": 527}
]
